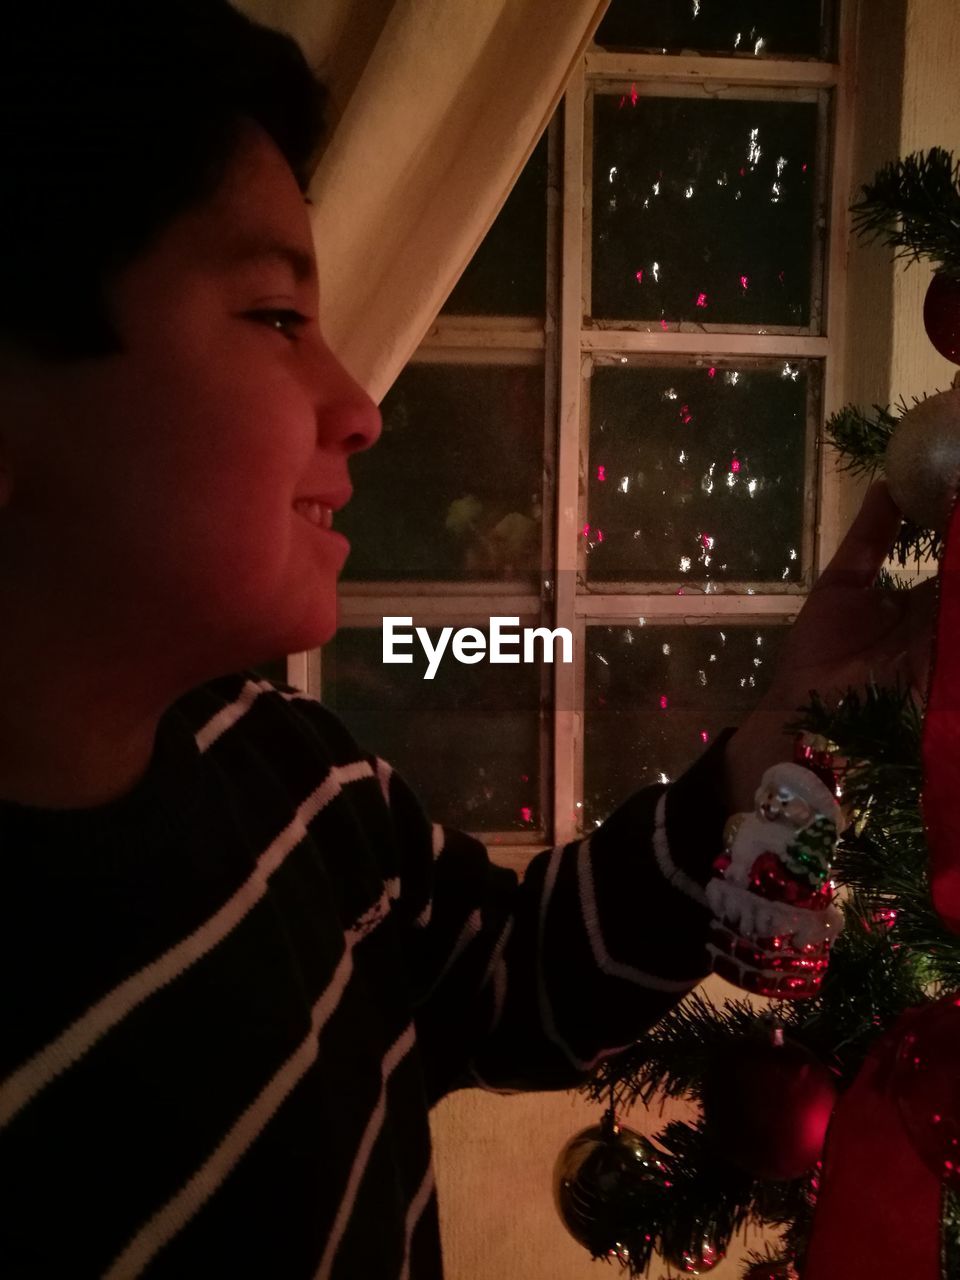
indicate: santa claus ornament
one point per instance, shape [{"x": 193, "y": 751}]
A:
[{"x": 772, "y": 897}]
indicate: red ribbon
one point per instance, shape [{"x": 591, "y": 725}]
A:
[
  {"x": 941, "y": 740},
  {"x": 878, "y": 1207}
]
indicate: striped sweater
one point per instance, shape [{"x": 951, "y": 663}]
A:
[{"x": 229, "y": 999}]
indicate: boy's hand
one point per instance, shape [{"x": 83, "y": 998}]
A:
[{"x": 848, "y": 633}]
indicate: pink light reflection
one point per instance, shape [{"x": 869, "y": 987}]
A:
[
  {"x": 701, "y": 299},
  {"x": 704, "y": 736},
  {"x": 633, "y": 95},
  {"x": 735, "y": 465},
  {"x": 526, "y": 814},
  {"x": 663, "y": 702},
  {"x": 712, "y": 372},
  {"x": 744, "y": 282},
  {"x": 601, "y": 473},
  {"x": 640, "y": 276},
  {"x": 586, "y": 530}
]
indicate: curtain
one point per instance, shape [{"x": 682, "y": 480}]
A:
[{"x": 436, "y": 107}]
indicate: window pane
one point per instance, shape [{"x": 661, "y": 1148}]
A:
[
  {"x": 507, "y": 276},
  {"x": 703, "y": 210},
  {"x": 697, "y": 473},
  {"x": 453, "y": 489},
  {"x": 467, "y": 741},
  {"x": 754, "y": 27},
  {"x": 655, "y": 695}
]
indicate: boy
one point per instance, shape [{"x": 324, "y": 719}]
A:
[{"x": 240, "y": 962}]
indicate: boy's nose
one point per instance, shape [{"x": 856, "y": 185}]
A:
[{"x": 345, "y": 412}]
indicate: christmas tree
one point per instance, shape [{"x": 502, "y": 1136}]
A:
[{"x": 767, "y": 1080}]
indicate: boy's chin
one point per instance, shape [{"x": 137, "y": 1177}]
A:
[{"x": 313, "y": 633}]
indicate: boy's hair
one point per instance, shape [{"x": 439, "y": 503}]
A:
[{"x": 115, "y": 117}]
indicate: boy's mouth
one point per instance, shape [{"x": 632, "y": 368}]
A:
[{"x": 316, "y": 512}]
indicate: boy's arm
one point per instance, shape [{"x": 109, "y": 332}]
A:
[{"x": 527, "y": 983}]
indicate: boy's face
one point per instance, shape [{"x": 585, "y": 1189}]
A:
[{"x": 154, "y": 490}]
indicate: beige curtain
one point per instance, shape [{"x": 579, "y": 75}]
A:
[{"x": 437, "y": 105}]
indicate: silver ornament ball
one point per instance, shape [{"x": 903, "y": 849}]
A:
[{"x": 923, "y": 460}]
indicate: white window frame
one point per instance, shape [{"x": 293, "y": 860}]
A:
[{"x": 566, "y": 344}]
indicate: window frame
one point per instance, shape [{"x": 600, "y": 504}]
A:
[{"x": 567, "y": 342}]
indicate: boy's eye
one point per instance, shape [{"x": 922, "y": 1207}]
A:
[{"x": 284, "y": 320}]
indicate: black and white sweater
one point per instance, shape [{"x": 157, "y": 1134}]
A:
[{"x": 229, "y": 999}]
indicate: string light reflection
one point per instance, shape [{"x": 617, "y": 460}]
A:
[
  {"x": 754, "y": 150},
  {"x": 678, "y": 508}
]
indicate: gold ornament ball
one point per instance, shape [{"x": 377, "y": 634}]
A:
[
  {"x": 601, "y": 1182},
  {"x": 923, "y": 460},
  {"x": 697, "y": 1259}
]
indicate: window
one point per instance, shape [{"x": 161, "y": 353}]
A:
[{"x": 614, "y": 427}]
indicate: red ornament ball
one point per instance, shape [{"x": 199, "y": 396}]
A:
[
  {"x": 926, "y": 1084},
  {"x": 941, "y": 315},
  {"x": 767, "y": 1106}
]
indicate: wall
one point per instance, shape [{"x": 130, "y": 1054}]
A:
[
  {"x": 930, "y": 117},
  {"x": 495, "y": 1155},
  {"x": 908, "y": 76}
]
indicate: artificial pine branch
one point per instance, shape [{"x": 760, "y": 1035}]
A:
[
  {"x": 770, "y": 1257},
  {"x": 881, "y": 726},
  {"x": 914, "y": 544},
  {"x": 951, "y": 1234},
  {"x": 674, "y": 1058},
  {"x": 871, "y": 980},
  {"x": 860, "y": 438},
  {"x": 712, "y": 1198},
  {"x": 913, "y": 205}
]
